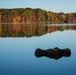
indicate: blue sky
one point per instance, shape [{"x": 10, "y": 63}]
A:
[{"x": 66, "y": 6}]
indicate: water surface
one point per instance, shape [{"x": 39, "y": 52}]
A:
[{"x": 17, "y": 50}]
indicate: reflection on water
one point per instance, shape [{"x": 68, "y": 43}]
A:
[
  {"x": 26, "y": 30},
  {"x": 55, "y": 53}
]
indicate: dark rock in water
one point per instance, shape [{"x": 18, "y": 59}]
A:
[{"x": 54, "y": 53}]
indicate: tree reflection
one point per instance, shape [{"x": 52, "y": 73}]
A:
[
  {"x": 55, "y": 53},
  {"x": 27, "y": 30}
]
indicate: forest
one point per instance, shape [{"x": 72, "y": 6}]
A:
[{"x": 30, "y": 15}]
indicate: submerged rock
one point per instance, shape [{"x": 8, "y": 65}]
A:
[{"x": 54, "y": 53}]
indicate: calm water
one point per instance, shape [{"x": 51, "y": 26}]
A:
[{"x": 17, "y": 50}]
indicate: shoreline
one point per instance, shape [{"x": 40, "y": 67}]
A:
[{"x": 36, "y": 23}]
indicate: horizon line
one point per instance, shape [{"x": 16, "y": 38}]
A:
[{"x": 39, "y": 8}]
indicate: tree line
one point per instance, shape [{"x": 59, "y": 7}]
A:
[{"x": 28, "y": 15}]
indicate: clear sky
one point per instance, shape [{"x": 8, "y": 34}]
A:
[{"x": 66, "y": 6}]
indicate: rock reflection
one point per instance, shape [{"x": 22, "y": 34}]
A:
[{"x": 54, "y": 53}]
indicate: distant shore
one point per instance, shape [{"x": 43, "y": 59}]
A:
[
  {"x": 30, "y": 15},
  {"x": 38, "y": 23}
]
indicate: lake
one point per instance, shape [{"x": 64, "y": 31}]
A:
[{"x": 18, "y": 43}]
